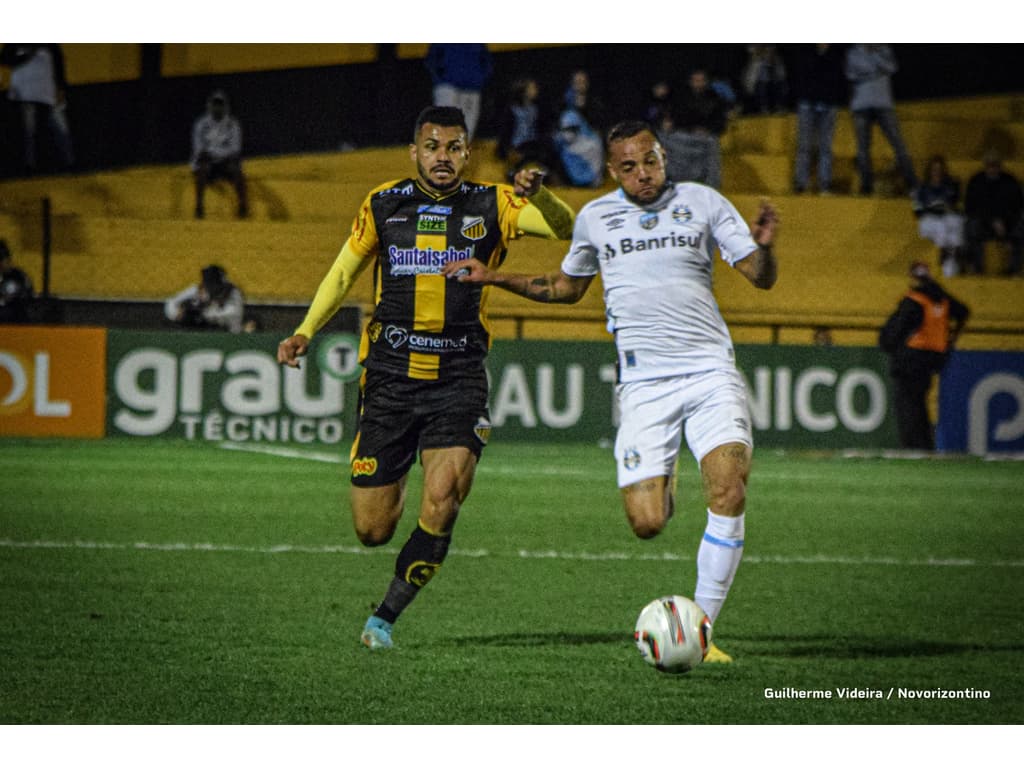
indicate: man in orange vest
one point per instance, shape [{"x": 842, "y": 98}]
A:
[{"x": 918, "y": 337}]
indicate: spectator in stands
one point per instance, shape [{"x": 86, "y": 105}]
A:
[
  {"x": 217, "y": 152},
  {"x": 16, "y": 294},
  {"x": 658, "y": 112},
  {"x": 580, "y": 96},
  {"x": 459, "y": 72},
  {"x": 994, "y": 208},
  {"x": 38, "y": 84},
  {"x": 578, "y": 139},
  {"x": 870, "y": 68},
  {"x": 524, "y": 130},
  {"x": 918, "y": 337},
  {"x": 822, "y": 336},
  {"x": 699, "y": 120},
  {"x": 935, "y": 205},
  {"x": 764, "y": 80},
  {"x": 215, "y": 303},
  {"x": 722, "y": 87},
  {"x": 819, "y": 87}
]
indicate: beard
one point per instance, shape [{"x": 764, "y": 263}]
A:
[
  {"x": 655, "y": 198},
  {"x": 439, "y": 187}
]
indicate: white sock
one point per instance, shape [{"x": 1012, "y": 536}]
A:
[{"x": 717, "y": 559}]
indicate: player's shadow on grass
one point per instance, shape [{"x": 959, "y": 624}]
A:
[
  {"x": 835, "y": 647},
  {"x": 533, "y": 639}
]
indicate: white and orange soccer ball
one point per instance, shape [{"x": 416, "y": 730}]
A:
[{"x": 673, "y": 634}]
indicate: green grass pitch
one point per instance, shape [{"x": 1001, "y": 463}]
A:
[{"x": 175, "y": 582}]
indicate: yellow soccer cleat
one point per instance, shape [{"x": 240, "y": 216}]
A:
[{"x": 716, "y": 655}]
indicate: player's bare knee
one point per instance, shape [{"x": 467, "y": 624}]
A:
[
  {"x": 646, "y": 504},
  {"x": 439, "y": 515},
  {"x": 374, "y": 535},
  {"x": 646, "y": 523},
  {"x": 646, "y": 528},
  {"x": 729, "y": 498}
]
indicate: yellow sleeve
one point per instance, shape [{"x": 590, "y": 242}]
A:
[
  {"x": 358, "y": 251},
  {"x": 333, "y": 288},
  {"x": 542, "y": 215}
]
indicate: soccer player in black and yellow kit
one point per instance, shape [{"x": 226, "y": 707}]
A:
[{"x": 424, "y": 389}]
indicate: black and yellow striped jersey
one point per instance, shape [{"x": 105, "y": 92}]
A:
[{"x": 426, "y": 326}]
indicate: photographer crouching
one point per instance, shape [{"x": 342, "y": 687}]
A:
[{"x": 215, "y": 303}]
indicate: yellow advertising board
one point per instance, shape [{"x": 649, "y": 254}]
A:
[{"x": 52, "y": 381}]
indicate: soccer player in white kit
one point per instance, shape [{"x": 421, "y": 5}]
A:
[{"x": 654, "y": 241}]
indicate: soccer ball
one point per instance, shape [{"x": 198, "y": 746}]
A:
[{"x": 673, "y": 634}]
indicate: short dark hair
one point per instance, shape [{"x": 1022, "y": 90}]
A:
[
  {"x": 627, "y": 129},
  {"x": 213, "y": 275},
  {"x": 444, "y": 116}
]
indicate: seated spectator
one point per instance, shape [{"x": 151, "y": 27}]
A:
[
  {"x": 994, "y": 209},
  {"x": 217, "y": 152},
  {"x": 16, "y": 293},
  {"x": 699, "y": 120},
  {"x": 764, "y": 80},
  {"x": 822, "y": 336},
  {"x": 524, "y": 131},
  {"x": 658, "y": 112},
  {"x": 578, "y": 135},
  {"x": 936, "y": 203},
  {"x": 215, "y": 303},
  {"x": 579, "y": 96},
  {"x": 722, "y": 87}
]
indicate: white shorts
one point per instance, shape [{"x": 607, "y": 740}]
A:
[
  {"x": 946, "y": 231},
  {"x": 712, "y": 405}
]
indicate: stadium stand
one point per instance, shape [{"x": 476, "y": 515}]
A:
[{"x": 128, "y": 235}]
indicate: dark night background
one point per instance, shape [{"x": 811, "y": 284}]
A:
[{"x": 320, "y": 109}]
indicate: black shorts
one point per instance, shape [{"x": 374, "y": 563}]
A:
[{"x": 399, "y": 416}]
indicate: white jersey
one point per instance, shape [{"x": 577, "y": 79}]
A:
[{"x": 655, "y": 262}]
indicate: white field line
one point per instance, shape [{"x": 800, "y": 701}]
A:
[
  {"x": 605, "y": 471},
  {"x": 524, "y": 554},
  {"x": 285, "y": 453},
  {"x": 483, "y": 468}
]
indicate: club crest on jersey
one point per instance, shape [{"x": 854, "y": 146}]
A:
[
  {"x": 482, "y": 430},
  {"x": 681, "y": 214},
  {"x": 631, "y": 458},
  {"x": 473, "y": 227},
  {"x": 373, "y": 330},
  {"x": 649, "y": 220}
]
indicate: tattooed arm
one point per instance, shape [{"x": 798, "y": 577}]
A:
[{"x": 553, "y": 287}]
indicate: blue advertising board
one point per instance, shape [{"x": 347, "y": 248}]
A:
[{"x": 981, "y": 403}]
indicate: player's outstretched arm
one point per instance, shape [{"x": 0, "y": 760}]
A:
[
  {"x": 291, "y": 349},
  {"x": 552, "y": 288},
  {"x": 761, "y": 267},
  {"x": 547, "y": 215}
]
